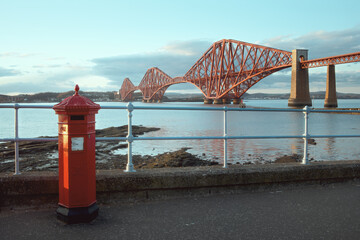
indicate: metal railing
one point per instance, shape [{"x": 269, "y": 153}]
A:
[{"x": 130, "y": 138}]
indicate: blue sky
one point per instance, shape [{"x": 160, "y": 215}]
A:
[{"x": 53, "y": 45}]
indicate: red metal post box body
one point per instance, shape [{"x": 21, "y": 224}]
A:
[{"x": 77, "y": 178}]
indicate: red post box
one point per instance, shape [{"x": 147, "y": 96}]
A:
[{"x": 77, "y": 178}]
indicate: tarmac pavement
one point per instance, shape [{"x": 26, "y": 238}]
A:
[{"x": 316, "y": 211}]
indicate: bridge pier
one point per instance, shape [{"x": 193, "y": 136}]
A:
[
  {"x": 300, "y": 92},
  {"x": 218, "y": 101},
  {"x": 240, "y": 102},
  {"x": 223, "y": 101},
  {"x": 237, "y": 100},
  {"x": 330, "y": 96},
  {"x": 226, "y": 101},
  {"x": 208, "y": 101}
]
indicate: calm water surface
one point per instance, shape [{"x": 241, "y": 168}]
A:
[{"x": 43, "y": 122}]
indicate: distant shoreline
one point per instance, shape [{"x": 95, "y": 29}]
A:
[{"x": 171, "y": 97}]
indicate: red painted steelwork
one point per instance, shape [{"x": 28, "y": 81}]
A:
[
  {"x": 154, "y": 84},
  {"x": 346, "y": 58},
  {"x": 127, "y": 89},
  {"x": 227, "y": 70}
]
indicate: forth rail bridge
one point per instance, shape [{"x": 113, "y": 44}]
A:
[{"x": 229, "y": 68}]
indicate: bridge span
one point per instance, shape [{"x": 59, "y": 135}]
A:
[{"x": 229, "y": 68}]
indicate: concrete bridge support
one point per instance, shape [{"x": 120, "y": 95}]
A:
[
  {"x": 218, "y": 101},
  {"x": 226, "y": 101},
  {"x": 208, "y": 101},
  {"x": 300, "y": 93},
  {"x": 237, "y": 101},
  {"x": 330, "y": 96}
]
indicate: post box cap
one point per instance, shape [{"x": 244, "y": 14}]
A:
[{"x": 77, "y": 104}]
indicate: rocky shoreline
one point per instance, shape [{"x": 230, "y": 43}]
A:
[{"x": 41, "y": 156}]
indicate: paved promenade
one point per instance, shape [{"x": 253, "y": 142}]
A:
[{"x": 329, "y": 211}]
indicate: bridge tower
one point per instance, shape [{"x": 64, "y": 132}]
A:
[
  {"x": 300, "y": 93},
  {"x": 330, "y": 96}
]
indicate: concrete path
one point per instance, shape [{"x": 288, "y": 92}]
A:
[{"x": 305, "y": 212}]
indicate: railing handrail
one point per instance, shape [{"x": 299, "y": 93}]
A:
[
  {"x": 226, "y": 108},
  {"x": 130, "y": 138}
]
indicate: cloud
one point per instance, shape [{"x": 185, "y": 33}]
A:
[
  {"x": 48, "y": 66},
  {"x": 321, "y": 43},
  {"x": 8, "y": 54},
  {"x": 87, "y": 81},
  {"x": 59, "y": 81},
  {"x": 26, "y": 87},
  {"x": 175, "y": 59},
  {"x": 187, "y": 48},
  {"x": 4, "y": 72},
  {"x": 17, "y": 55},
  {"x": 281, "y": 82},
  {"x": 92, "y": 83}
]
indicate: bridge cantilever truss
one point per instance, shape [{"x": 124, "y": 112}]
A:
[
  {"x": 226, "y": 70},
  {"x": 154, "y": 84},
  {"x": 229, "y": 68},
  {"x": 127, "y": 89}
]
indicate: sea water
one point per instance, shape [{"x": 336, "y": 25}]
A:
[{"x": 173, "y": 123}]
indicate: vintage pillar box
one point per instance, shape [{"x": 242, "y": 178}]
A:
[{"x": 77, "y": 173}]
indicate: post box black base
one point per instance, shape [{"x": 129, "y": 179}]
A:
[{"x": 77, "y": 215}]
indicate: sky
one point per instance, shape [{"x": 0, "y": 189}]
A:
[{"x": 49, "y": 46}]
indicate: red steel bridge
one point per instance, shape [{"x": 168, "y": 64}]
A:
[{"x": 226, "y": 71}]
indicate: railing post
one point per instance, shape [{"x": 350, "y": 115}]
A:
[
  {"x": 225, "y": 139},
  {"x": 305, "y": 160},
  {"x": 17, "y": 167},
  {"x": 130, "y": 166}
]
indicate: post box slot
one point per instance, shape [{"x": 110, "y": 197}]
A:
[{"x": 77, "y": 117}]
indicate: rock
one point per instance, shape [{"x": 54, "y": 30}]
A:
[
  {"x": 35, "y": 155},
  {"x": 311, "y": 141},
  {"x": 288, "y": 159},
  {"x": 39, "y": 156},
  {"x": 179, "y": 158}
]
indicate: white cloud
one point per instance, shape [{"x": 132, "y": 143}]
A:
[
  {"x": 187, "y": 48},
  {"x": 175, "y": 59},
  {"x": 17, "y": 55},
  {"x": 320, "y": 43},
  {"x": 91, "y": 83}
]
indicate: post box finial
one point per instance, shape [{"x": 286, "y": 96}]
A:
[{"x": 77, "y": 88}]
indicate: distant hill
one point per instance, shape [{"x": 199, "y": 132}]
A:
[{"x": 168, "y": 97}]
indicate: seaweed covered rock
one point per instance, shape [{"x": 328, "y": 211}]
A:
[
  {"x": 289, "y": 159},
  {"x": 180, "y": 158}
]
